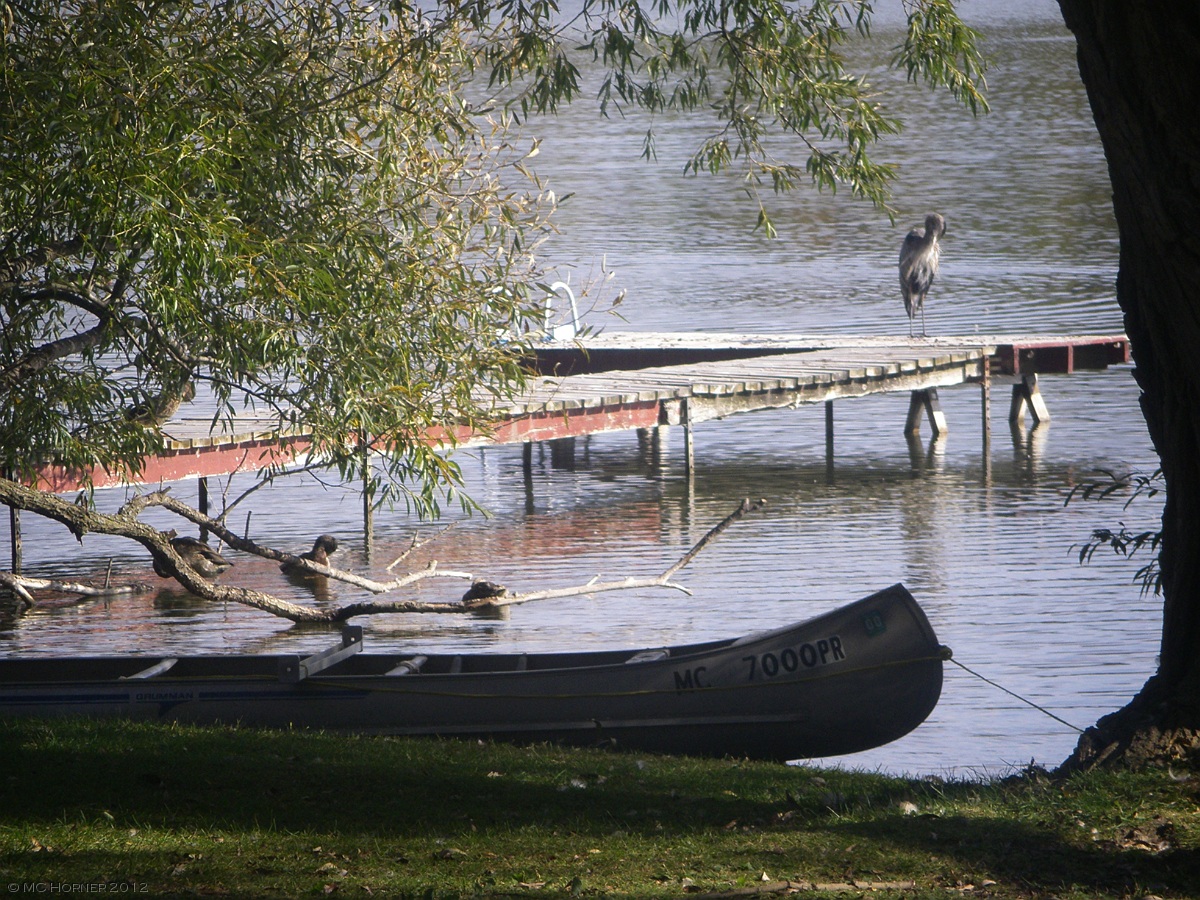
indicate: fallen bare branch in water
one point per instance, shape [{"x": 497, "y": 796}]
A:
[
  {"x": 237, "y": 542},
  {"x": 664, "y": 580},
  {"x": 83, "y": 589},
  {"x": 81, "y": 519},
  {"x": 417, "y": 544},
  {"x": 595, "y": 586},
  {"x": 22, "y": 585},
  {"x": 17, "y": 585}
]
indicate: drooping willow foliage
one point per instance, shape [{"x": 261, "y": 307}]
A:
[{"x": 315, "y": 207}]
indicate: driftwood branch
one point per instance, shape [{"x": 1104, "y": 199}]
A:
[
  {"x": 416, "y": 545},
  {"x": 81, "y": 519},
  {"x": 163, "y": 499},
  {"x": 715, "y": 532},
  {"x": 595, "y": 586},
  {"x": 83, "y": 589},
  {"x": 16, "y": 584},
  {"x": 664, "y": 580},
  {"x": 21, "y": 585}
]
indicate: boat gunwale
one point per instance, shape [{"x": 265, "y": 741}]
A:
[{"x": 348, "y": 673}]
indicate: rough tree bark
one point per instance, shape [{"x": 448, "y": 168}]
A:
[{"x": 1140, "y": 63}]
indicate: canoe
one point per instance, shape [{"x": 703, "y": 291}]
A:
[{"x": 845, "y": 681}]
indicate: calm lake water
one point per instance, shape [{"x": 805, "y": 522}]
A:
[{"x": 992, "y": 556}]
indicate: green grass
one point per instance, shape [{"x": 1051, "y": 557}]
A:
[{"x": 174, "y": 810}]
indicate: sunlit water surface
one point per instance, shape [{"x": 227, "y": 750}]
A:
[{"x": 991, "y": 555}]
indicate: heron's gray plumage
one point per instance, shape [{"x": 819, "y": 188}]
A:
[{"x": 919, "y": 265}]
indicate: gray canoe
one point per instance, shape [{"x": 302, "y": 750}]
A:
[{"x": 849, "y": 680}]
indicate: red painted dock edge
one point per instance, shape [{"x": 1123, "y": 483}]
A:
[
  {"x": 178, "y": 465},
  {"x": 1018, "y": 358},
  {"x": 250, "y": 456},
  {"x": 552, "y": 425},
  {"x": 1056, "y": 357}
]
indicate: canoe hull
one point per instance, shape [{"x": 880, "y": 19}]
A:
[{"x": 849, "y": 680}]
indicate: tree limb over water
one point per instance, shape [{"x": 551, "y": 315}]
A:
[{"x": 81, "y": 519}]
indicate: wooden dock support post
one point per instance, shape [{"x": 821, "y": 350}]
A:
[
  {"x": 985, "y": 415},
  {"x": 985, "y": 403},
  {"x": 685, "y": 418},
  {"x": 829, "y": 441},
  {"x": 368, "y": 499},
  {"x": 14, "y": 531},
  {"x": 925, "y": 401},
  {"x": 1027, "y": 395},
  {"x": 562, "y": 454},
  {"x": 527, "y": 473},
  {"x": 368, "y": 523},
  {"x": 202, "y": 504},
  {"x": 16, "y": 545},
  {"x": 660, "y": 446}
]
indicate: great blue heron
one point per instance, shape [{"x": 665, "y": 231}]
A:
[{"x": 918, "y": 266}]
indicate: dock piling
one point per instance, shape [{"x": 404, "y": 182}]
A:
[
  {"x": 685, "y": 417},
  {"x": 660, "y": 445},
  {"x": 202, "y": 504},
  {"x": 562, "y": 454},
  {"x": 368, "y": 501},
  {"x": 1027, "y": 395},
  {"x": 829, "y": 435},
  {"x": 926, "y": 401},
  {"x": 985, "y": 402},
  {"x": 14, "y": 531}
]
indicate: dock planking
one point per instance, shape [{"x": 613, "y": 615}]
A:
[{"x": 624, "y": 381}]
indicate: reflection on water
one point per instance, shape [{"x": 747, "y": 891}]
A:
[{"x": 987, "y": 549}]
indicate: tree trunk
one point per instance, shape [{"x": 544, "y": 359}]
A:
[{"x": 1140, "y": 63}]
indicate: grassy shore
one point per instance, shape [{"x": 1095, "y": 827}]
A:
[{"x": 180, "y": 811}]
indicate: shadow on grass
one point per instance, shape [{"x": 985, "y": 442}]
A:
[
  {"x": 1033, "y": 859},
  {"x": 368, "y": 791}
]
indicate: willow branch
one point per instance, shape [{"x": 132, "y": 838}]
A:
[
  {"x": 44, "y": 355},
  {"x": 13, "y": 271}
]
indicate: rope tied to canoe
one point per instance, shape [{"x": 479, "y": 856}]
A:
[{"x": 1001, "y": 687}]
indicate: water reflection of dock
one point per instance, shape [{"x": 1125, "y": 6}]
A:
[{"x": 646, "y": 382}]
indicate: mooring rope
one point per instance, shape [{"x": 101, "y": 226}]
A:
[{"x": 1018, "y": 696}]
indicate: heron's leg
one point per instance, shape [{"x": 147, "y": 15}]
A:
[{"x": 923, "y": 317}]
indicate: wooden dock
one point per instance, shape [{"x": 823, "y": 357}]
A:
[{"x": 626, "y": 381}]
